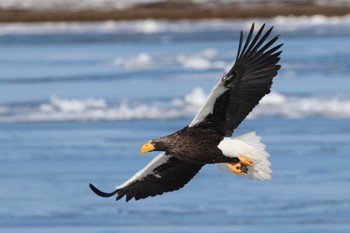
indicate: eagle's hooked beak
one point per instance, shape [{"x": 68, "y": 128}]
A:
[{"x": 147, "y": 147}]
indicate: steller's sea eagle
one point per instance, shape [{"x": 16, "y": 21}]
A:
[{"x": 207, "y": 139}]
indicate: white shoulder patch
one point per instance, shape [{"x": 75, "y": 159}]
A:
[
  {"x": 148, "y": 169},
  {"x": 208, "y": 106}
]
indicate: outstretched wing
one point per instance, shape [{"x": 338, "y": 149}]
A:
[
  {"x": 164, "y": 173},
  {"x": 241, "y": 89}
]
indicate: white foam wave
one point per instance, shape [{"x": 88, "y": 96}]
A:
[
  {"x": 320, "y": 23},
  {"x": 192, "y": 101},
  {"x": 278, "y": 105},
  {"x": 140, "y": 62},
  {"x": 201, "y": 60},
  {"x": 59, "y": 109},
  {"x": 92, "y": 109},
  {"x": 72, "y": 106}
]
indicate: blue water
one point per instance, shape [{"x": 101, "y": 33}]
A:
[{"x": 48, "y": 157}]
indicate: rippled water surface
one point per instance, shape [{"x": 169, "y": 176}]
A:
[{"x": 78, "y": 100}]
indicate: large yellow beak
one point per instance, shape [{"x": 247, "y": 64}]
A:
[{"x": 147, "y": 147}]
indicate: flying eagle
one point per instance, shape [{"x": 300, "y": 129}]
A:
[{"x": 207, "y": 139}]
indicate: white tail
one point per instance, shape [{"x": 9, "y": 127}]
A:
[{"x": 249, "y": 146}]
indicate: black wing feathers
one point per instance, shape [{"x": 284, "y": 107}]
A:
[
  {"x": 100, "y": 193},
  {"x": 248, "y": 81},
  {"x": 169, "y": 176}
]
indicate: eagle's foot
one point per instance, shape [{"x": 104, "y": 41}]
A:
[
  {"x": 241, "y": 167},
  {"x": 238, "y": 168},
  {"x": 245, "y": 161}
]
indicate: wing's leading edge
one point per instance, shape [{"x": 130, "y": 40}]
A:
[{"x": 241, "y": 89}]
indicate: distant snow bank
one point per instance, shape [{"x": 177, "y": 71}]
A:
[
  {"x": 92, "y": 109},
  {"x": 316, "y": 23}
]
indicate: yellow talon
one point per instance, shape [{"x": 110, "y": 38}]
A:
[
  {"x": 236, "y": 168},
  {"x": 245, "y": 161},
  {"x": 240, "y": 168}
]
